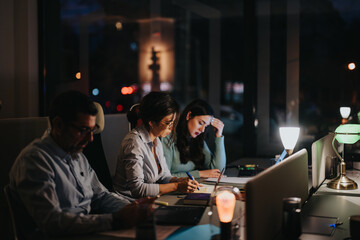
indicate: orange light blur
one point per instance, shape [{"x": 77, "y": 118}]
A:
[
  {"x": 351, "y": 66},
  {"x": 78, "y": 75},
  {"x": 225, "y": 203},
  {"x": 119, "y": 26},
  {"x": 127, "y": 90}
]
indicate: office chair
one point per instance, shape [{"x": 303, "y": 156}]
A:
[
  {"x": 133, "y": 116},
  {"x": 102, "y": 152},
  {"x": 13, "y": 230},
  {"x": 95, "y": 154},
  {"x": 22, "y": 224},
  {"x": 15, "y": 134}
]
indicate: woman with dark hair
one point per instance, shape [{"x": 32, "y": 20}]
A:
[
  {"x": 141, "y": 168},
  {"x": 188, "y": 151}
]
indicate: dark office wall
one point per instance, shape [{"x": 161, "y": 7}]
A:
[
  {"x": 18, "y": 72},
  {"x": 18, "y": 58}
]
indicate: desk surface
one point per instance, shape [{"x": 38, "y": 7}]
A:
[
  {"x": 340, "y": 204},
  {"x": 331, "y": 206},
  {"x": 176, "y": 199},
  {"x": 325, "y": 203}
]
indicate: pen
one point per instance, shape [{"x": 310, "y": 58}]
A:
[
  {"x": 335, "y": 224},
  {"x": 217, "y": 183},
  {"x": 192, "y": 178}
]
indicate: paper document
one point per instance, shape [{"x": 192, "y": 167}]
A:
[
  {"x": 237, "y": 180},
  {"x": 206, "y": 188}
]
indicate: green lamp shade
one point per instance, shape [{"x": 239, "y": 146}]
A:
[{"x": 348, "y": 133}]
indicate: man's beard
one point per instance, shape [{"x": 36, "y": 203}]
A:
[{"x": 74, "y": 151}]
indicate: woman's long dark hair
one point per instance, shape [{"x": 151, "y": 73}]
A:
[{"x": 191, "y": 149}]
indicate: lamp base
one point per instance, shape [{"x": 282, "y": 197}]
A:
[
  {"x": 225, "y": 231},
  {"x": 342, "y": 182}
]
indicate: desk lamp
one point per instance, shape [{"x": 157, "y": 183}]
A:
[
  {"x": 225, "y": 203},
  {"x": 346, "y": 134},
  {"x": 289, "y": 137},
  {"x": 225, "y": 199},
  {"x": 345, "y": 113}
]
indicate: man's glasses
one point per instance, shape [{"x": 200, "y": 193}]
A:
[{"x": 85, "y": 130}]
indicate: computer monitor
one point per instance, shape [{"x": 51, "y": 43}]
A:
[
  {"x": 265, "y": 193},
  {"x": 323, "y": 160}
]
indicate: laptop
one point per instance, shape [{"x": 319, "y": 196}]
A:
[
  {"x": 265, "y": 193},
  {"x": 323, "y": 160},
  {"x": 178, "y": 215}
]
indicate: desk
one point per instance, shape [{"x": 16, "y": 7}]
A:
[
  {"x": 325, "y": 203},
  {"x": 335, "y": 206},
  {"x": 175, "y": 199},
  {"x": 332, "y": 203}
]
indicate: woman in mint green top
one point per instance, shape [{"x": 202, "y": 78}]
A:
[{"x": 188, "y": 151}]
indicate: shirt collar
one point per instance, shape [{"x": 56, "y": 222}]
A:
[
  {"x": 50, "y": 143},
  {"x": 144, "y": 133}
]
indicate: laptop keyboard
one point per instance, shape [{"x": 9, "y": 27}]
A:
[{"x": 178, "y": 215}]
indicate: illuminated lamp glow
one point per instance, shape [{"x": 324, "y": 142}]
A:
[
  {"x": 78, "y": 75},
  {"x": 124, "y": 90},
  {"x": 127, "y": 90},
  {"x": 348, "y": 133},
  {"x": 118, "y": 26},
  {"x": 165, "y": 86},
  {"x": 289, "y": 136},
  {"x": 130, "y": 90},
  {"x": 119, "y": 107},
  {"x": 107, "y": 104},
  {"x": 95, "y": 91},
  {"x": 345, "y": 112},
  {"x": 225, "y": 203},
  {"x": 146, "y": 87},
  {"x": 351, "y": 66}
]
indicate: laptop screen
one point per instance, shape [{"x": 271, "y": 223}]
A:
[
  {"x": 265, "y": 193},
  {"x": 322, "y": 155}
]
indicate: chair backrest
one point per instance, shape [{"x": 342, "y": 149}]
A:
[
  {"x": 116, "y": 128},
  {"x": 13, "y": 228},
  {"x": 133, "y": 116},
  {"x": 102, "y": 152},
  {"x": 22, "y": 225},
  {"x": 15, "y": 134}
]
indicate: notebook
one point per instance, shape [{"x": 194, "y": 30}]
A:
[
  {"x": 178, "y": 215},
  {"x": 197, "y": 199}
]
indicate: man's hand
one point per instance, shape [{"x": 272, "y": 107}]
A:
[{"x": 132, "y": 214}]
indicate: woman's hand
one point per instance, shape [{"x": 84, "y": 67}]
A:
[
  {"x": 211, "y": 173},
  {"x": 218, "y": 126},
  {"x": 186, "y": 185}
]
